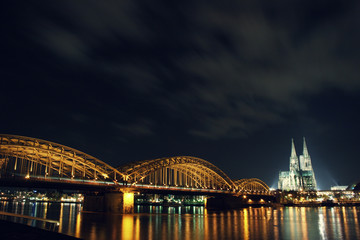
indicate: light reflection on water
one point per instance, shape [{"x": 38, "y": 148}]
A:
[{"x": 156, "y": 222}]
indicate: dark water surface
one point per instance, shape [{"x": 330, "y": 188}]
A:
[{"x": 156, "y": 222}]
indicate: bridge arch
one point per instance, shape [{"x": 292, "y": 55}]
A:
[
  {"x": 28, "y": 157},
  {"x": 251, "y": 185},
  {"x": 178, "y": 171},
  {"x": 31, "y": 157}
]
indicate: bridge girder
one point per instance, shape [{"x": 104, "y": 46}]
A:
[
  {"x": 251, "y": 184},
  {"x": 36, "y": 157},
  {"x": 51, "y": 159},
  {"x": 195, "y": 168}
]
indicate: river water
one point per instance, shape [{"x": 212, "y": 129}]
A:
[{"x": 156, "y": 222}]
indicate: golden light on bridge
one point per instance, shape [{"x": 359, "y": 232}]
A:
[
  {"x": 105, "y": 175},
  {"x": 36, "y": 157},
  {"x": 128, "y": 201},
  {"x": 30, "y": 157}
]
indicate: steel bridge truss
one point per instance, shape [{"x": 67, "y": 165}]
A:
[
  {"x": 183, "y": 171},
  {"x": 251, "y": 185},
  {"x": 30, "y": 157}
]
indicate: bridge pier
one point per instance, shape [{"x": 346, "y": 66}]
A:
[
  {"x": 235, "y": 202},
  {"x": 93, "y": 202},
  {"x": 114, "y": 202},
  {"x": 224, "y": 202}
]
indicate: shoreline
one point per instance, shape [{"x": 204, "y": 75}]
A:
[{"x": 12, "y": 230}]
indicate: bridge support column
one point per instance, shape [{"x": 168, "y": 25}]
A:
[
  {"x": 119, "y": 202},
  {"x": 224, "y": 202},
  {"x": 112, "y": 202},
  {"x": 234, "y": 202},
  {"x": 93, "y": 202}
]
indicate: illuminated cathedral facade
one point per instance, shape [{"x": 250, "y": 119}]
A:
[{"x": 301, "y": 175}]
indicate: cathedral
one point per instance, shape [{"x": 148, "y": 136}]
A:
[{"x": 301, "y": 175}]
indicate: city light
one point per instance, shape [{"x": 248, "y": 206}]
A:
[{"x": 128, "y": 201}]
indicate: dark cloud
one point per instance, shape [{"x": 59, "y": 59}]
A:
[
  {"x": 208, "y": 70},
  {"x": 228, "y": 58}
]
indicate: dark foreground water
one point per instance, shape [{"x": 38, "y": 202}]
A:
[{"x": 155, "y": 222}]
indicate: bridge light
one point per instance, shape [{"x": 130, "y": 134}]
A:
[
  {"x": 105, "y": 175},
  {"x": 27, "y": 176}
]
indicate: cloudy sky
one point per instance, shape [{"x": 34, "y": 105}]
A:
[{"x": 231, "y": 82}]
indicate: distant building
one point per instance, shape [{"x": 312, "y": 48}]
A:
[
  {"x": 339, "y": 188},
  {"x": 301, "y": 175}
]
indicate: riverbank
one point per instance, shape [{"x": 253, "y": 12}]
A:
[
  {"x": 12, "y": 231},
  {"x": 318, "y": 204}
]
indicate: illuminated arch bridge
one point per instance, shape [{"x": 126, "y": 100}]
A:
[{"x": 31, "y": 157}]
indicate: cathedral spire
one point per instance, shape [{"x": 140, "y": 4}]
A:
[
  {"x": 294, "y": 160},
  {"x": 293, "y": 151},
  {"x": 305, "y": 150}
]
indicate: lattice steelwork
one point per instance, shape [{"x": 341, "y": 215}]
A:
[
  {"x": 251, "y": 185},
  {"x": 182, "y": 171},
  {"x": 29, "y": 157}
]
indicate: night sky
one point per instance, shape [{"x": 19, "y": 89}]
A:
[{"x": 227, "y": 81}]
